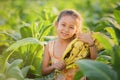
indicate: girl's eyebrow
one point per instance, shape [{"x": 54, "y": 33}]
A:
[{"x": 72, "y": 25}]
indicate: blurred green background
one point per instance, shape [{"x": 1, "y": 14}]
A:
[{"x": 27, "y": 25}]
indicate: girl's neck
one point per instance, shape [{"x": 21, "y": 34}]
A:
[{"x": 63, "y": 42}]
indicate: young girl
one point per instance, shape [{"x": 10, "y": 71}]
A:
[{"x": 68, "y": 27}]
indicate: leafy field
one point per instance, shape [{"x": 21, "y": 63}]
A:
[{"x": 27, "y": 25}]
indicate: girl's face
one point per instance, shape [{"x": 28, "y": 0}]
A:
[{"x": 66, "y": 27}]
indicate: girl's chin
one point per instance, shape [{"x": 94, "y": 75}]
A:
[{"x": 65, "y": 37}]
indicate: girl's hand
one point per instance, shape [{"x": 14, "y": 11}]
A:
[
  {"x": 60, "y": 65},
  {"x": 87, "y": 38}
]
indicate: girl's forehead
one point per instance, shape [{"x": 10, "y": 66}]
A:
[
  {"x": 69, "y": 18},
  {"x": 64, "y": 16}
]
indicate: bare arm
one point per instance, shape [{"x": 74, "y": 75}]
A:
[
  {"x": 93, "y": 50},
  {"x": 46, "y": 68}
]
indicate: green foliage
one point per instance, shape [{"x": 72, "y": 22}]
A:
[
  {"x": 105, "y": 41},
  {"x": 92, "y": 69},
  {"x": 26, "y": 41},
  {"x": 109, "y": 68},
  {"x": 117, "y": 15},
  {"x": 111, "y": 31},
  {"x": 13, "y": 72},
  {"x": 31, "y": 53},
  {"x": 78, "y": 75},
  {"x": 32, "y": 24},
  {"x": 116, "y": 57},
  {"x": 23, "y": 42},
  {"x": 105, "y": 59},
  {"x": 25, "y": 32}
]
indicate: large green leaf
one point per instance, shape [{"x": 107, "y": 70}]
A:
[
  {"x": 11, "y": 36},
  {"x": 96, "y": 70},
  {"x": 113, "y": 34},
  {"x": 117, "y": 15},
  {"x": 13, "y": 70},
  {"x": 78, "y": 75},
  {"x": 32, "y": 53},
  {"x": 100, "y": 25},
  {"x": 13, "y": 64},
  {"x": 116, "y": 58},
  {"x": 15, "y": 46},
  {"x": 25, "y": 70},
  {"x": 1, "y": 63},
  {"x": 104, "y": 40},
  {"x": 25, "y": 32},
  {"x": 45, "y": 31},
  {"x": 104, "y": 58},
  {"x": 23, "y": 42},
  {"x": 116, "y": 27},
  {"x": 16, "y": 73}
]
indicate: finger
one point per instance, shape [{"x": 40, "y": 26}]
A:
[
  {"x": 81, "y": 37},
  {"x": 61, "y": 66},
  {"x": 57, "y": 65},
  {"x": 62, "y": 62}
]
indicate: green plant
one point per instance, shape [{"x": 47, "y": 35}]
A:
[{"x": 12, "y": 71}]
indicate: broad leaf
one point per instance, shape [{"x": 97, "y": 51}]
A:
[
  {"x": 25, "y": 70},
  {"x": 96, "y": 70},
  {"x": 78, "y": 75},
  {"x": 14, "y": 64},
  {"x": 116, "y": 58},
  {"x": 104, "y": 58},
  {"x": 104, "y": 40},
  {"x": 23, "y": 42},
  {"x": 117, "y": 15},
  {"x": 113, "y": 34},
  {"x": 13, "y": 70},
  {"x": 25, "y": 32}
]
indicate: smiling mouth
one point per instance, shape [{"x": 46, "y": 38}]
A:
[{"x": 64, "y": 34}]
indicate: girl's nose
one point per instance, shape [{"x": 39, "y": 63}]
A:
[{"x": 66, "y": 29}]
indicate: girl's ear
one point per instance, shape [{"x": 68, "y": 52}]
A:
[
  {"x": 56, "y": 24},
  {"x": 77, "y": 33}
]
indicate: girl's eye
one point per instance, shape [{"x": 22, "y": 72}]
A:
[
  {"x": 72, "y": 27},
  {"x": 63, "y": 25}
]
